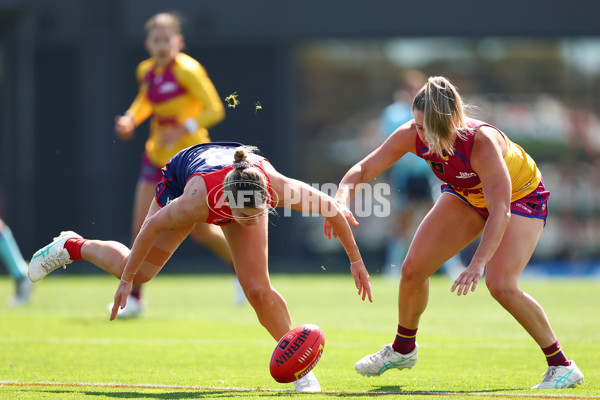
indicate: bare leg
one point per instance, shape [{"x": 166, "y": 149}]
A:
[
  {"x": 503, "y": 273},
  {"x": 144, "y": 195},
  {"x": 447, "y": 228},
  {"x": 106, "y": 254},
  {"x": 249, "y": 248},
  {"x": 112, "y": 256},
  {"x": 212, "y": 237}
]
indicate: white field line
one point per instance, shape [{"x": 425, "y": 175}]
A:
[
  {"x": 258, "y": 389},
  {"x": 111, "y": 341},
  {"x": 173, "y": 342}
]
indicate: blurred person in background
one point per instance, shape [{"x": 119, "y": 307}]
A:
[
  {"x": 11, "y": 257},
  {"x": 175, "y": 90},
  {"x": 411, "y": 182},
  {"x": 409, "y": 177},
  {"x": 230, "y": 187},
  {"x": 493, "y": 188}
]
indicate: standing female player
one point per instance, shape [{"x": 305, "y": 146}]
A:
[
  {"x": 176, "y": 91},
  {"x": 492, "y": 186},
  {"x": 219, "y": 184}
]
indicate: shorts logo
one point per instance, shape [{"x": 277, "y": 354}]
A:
[
  {"x": 533, "y": 206},
  {"x": 525, "y": 208}
]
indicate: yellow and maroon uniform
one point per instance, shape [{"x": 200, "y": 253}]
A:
[
  {"x": 529, "y": 196},
  {"x": 177, "y": 94}
]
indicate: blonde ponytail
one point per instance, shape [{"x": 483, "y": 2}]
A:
[{"x": 443, "y": 114}]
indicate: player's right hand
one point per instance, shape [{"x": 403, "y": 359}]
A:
[
  {"x": 121, "y": 296},
  {"x": 124, "y": 126},
  {"x": 362, "y": 279},
  {"x": 328, "y": 231}
]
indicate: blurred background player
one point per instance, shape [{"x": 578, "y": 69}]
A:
[
  {"x": 228, "y": 186},
  {"x": 176, "y": 91},
  {"x": 16, "y": 266},
  {"x": 410, "y": 178},
  {"x": 11, "y": 257},
  {"x": 411, "y": 183}
]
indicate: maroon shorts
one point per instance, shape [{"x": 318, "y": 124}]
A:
[
  {"x": 148, "y": 171},
  {"x": 534, "y": 205}
]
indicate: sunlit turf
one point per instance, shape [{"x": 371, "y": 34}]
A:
[{"x": 193, "y": 335}]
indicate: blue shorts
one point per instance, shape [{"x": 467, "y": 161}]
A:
[{"x": 534, "y": 205}]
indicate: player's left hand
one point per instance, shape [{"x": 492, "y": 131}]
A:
[
  {"x": 468, "y": 278},
  {"x": 121, "y": 296},
  {"x": 362, "y": 279}
]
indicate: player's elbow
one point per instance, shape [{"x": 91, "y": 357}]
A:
[{"x": 501, "y": 211}]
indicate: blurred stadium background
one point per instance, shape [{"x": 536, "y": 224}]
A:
[{"x": 322, "y": 71}]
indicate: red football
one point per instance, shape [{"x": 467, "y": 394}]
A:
[{"x": 297, "y": 353}]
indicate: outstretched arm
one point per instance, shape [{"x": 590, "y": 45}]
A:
[
  {"x": 181, "y": 212},
  {"x": 397, "y": 145},
  {"x": 299, "y": 196},
  {"x": 487, "y": 160}
]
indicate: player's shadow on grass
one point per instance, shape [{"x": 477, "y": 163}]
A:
[
  {"x": 398, "y": 390},
  {"x": 179, "y": 395}
]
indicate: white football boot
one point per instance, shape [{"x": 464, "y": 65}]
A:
[
  {"x": 377, "y": 363},
  {"x": 308, "y": 383},
  {"x": 51, "y": 257},
  {"x": 561, "y": 377},
  {"x": 133, "y": 309}
]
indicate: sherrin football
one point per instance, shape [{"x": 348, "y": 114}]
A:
[{"x": 297, "y": 353}]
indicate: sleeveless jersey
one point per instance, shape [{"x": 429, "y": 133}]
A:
[
  {"x": 456, "y": 169},
  {"x": 212, "y": 161}
]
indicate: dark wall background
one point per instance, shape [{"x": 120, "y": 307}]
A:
[{"x": 68, "y": 69}]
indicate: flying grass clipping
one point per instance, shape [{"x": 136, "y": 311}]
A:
[{"x": 232, "y": 101}]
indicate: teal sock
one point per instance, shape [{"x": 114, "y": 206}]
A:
[{"x": 11, "y": 255}]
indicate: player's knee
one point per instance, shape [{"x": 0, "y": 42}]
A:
[
  {"x": 412, "y": 271},
  {"x": 140, "y": 277},
  {"x": 258, "y": 294},
  {"x": 501, "y": 290},
  {"x": 199, "y": 237}
]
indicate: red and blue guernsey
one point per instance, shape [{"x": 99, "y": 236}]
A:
[
  {"x": 456, "y": 169},
  {"x": 212, "y": 161}
]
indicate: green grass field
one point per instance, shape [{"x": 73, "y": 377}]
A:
[{"x": 194, "y": 343}]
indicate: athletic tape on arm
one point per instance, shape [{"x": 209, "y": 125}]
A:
[{"x": 157, "y": 256}]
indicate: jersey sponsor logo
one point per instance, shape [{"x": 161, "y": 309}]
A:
[
  {"x": 167, "y": 87},
  {"x": 466, "y": 175}
]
